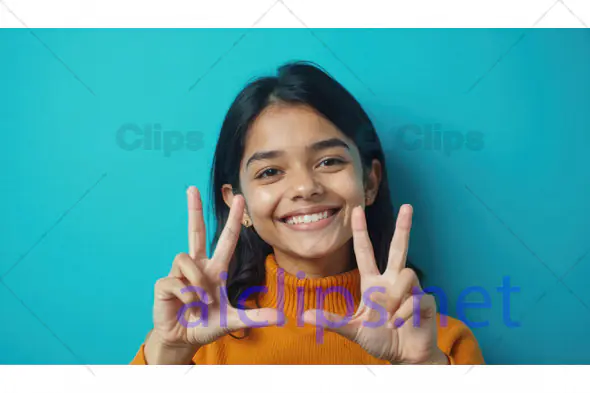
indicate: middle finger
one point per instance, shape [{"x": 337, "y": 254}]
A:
[{"x": 398, "y": 250}]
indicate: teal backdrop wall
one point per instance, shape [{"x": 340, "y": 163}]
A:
[{"x": 486, "y": 132}]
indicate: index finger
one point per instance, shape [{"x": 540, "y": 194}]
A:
[
  {"x": 398, "y": 250},
  {"x": 363, "y": 249},
  {"x": 197, "y": 235},
  {"x": 230, "y": 234}
]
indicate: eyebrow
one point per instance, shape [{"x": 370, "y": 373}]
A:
[{"x": 317, "y": 146}]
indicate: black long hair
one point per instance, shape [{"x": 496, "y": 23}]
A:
[{"x": 298, "y": 83}]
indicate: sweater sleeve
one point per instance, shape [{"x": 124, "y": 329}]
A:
[
  {"x": 139, "y": 358},
  {"x": 458, "y": 342}
]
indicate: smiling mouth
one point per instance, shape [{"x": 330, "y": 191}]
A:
[{"x": 309, "y": 218}]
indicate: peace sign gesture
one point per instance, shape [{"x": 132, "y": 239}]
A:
[
  {"x": 395, "y": 320},
  {"x": 191, "y": 306}
]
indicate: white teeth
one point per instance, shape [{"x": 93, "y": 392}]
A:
[{"x": 307, "y": 218}]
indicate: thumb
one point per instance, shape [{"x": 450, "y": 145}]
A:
[
  {"x": 252, "y": 318},
  {"x": 331, "y": 322}
]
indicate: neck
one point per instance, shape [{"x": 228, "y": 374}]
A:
[
  {"x": 294, "y": 295},
  {"x": 329, "y": 265}
]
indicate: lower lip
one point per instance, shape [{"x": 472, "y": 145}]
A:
[{"x": 312, "y": 226}]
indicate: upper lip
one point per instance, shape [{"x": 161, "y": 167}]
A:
[{"x": 308, "y": 210}]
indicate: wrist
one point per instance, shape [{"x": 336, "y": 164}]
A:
[
  {"x": 159, "y": 351},
  {"x": 157, "y": 338},
  {"x": 438, "y": 358}
]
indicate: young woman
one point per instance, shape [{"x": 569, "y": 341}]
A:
[{"x": 309, "y": 262}]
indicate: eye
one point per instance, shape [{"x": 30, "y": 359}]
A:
[
  {"x": 331, "y": 162},
  {"x": 267, "y": 173}
]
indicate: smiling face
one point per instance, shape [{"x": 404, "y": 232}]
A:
[{"x": 301, "y": 177}]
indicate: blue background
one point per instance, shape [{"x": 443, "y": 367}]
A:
[{"x": 88, "y": 227}]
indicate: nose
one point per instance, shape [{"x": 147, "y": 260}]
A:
[{"x": 304, "y": 185}]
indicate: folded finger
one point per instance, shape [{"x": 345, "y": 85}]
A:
[
  {"x": 187, "y": 268},
  {"x": 253, "y": 318},
  {"x": 331, "y": 322},
  {"x": 392, "y": 297},
  {"x": 168, "y": 288},
  {"x": 415, "y": 308}
]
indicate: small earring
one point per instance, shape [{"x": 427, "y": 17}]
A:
[{"x": 247, "y": 222}]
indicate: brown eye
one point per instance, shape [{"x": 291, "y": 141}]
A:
[
  {"x": 331, "y": 162},
  {"x": 267, "y": 173}
]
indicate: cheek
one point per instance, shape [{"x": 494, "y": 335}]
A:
[
  {"x": 263, "y": 203},
  {"x": 347, "y": 185}
]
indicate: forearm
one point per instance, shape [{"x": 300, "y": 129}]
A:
[{"x": 158, "y": 352}]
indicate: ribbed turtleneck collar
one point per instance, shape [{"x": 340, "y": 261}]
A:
[{"x": 294, "y": 295}]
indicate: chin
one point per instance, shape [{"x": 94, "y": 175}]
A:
[
  {"x": 311, "y": 254},
  {"x": 312, "y": 250}
]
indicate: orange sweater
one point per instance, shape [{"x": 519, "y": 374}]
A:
[{"x": 293, "y": 344}]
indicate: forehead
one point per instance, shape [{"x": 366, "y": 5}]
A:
[{"x": 287, "y": 127}]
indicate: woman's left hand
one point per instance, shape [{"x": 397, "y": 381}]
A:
[{"x": 395, "y": 320}]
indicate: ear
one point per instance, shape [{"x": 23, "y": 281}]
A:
[
  {"x": 373, "y": 181},
  {"x": 228, "y": 196}
]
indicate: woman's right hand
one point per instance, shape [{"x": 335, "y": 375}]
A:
[{"x": 179, "y": 322}]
